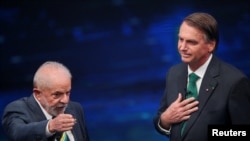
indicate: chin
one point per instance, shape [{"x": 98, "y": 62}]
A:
[
  {"x": 56, "y": 112},
  {"x": 61, "y": 111},
  {"x": 185, "y": 60}
]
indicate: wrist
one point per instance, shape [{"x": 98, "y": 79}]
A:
[{"x": 50, "y": 127}]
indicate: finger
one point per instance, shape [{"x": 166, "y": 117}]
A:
[
  {"x": 69, "y": 115},
  {"x": 185, "y": 117},
  {"x": 71, "y": 124},
  {"x": 66, "y": 126},
  {"x": 66, "y": 115},
  {"x": 73, "y": 121},
  {"x": 190, "y": 111},
  {"x": 179, "y": 98},
  {"x": 188, "y": 100},
  {"x": 191, "y": 105}
]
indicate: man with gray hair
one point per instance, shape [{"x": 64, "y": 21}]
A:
[{"x": 48, "y": 114}]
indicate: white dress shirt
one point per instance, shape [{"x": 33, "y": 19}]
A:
[
  {"x": 49, "y": 117},
  {"x": 200, "y": 72}
]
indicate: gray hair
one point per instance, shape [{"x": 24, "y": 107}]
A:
[{"x": 46, "y": 70}]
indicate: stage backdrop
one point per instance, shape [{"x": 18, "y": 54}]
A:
[{"x": 118, "y": 51}]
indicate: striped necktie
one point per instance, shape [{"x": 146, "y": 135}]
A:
[
  {"x": 62, "y": 137},
  {"x": 191, "y": 92}
]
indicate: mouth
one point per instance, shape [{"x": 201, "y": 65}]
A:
[
  {"x": 185, "y": 55},
  {"x": 60, "y": 109}
]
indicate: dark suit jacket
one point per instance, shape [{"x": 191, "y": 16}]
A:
[
  {"x": 23, "y": 120},
  {"x": 223, "y": 99}
]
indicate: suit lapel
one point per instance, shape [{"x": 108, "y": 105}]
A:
[
  {"x": 38, "y": 116},
  {"x": 208, "y": 85},
  {"x": 182, "y": 86},
  {"x": 75, "y": 128}
]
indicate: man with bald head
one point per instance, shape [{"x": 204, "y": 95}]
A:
[{"x": 48, "y": 114}]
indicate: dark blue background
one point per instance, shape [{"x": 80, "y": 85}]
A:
[{"x": 118, "y": 52}]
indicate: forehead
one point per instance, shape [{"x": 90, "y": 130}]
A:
[{"x": 187, "y": 31}]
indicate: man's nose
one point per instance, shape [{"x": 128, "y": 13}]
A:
[
  {"x": 65, "y": 98},
  {"x": 182, "y": 46}
]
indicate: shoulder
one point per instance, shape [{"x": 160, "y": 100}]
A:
[
  {"x": 225, "y": 71},
  {"x": 16, "y": 104},
  {"x": 178, "y": 69},
  {"x": 75, "y": 108},
  {"x": 75, "y": 105},
  {"x": 178, "y": 66},
  {"x": 227, "y": 68}
]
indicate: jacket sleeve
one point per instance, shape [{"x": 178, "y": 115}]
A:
[{"x": 18, "y": 124}]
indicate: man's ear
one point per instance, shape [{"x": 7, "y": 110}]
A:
[
  {"x": 211, "y": 46},
  {"x": 37, "y": 93}
]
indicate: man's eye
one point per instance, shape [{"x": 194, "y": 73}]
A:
[
  {"x": 192, "y": 42},
  {"x": 56, "y": 94}
]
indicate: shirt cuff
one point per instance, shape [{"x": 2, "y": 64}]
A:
[{"x": 164, "y": 130}]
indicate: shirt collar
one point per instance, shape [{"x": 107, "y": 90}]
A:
[
  {"x": 47, "y": 115},
  {"x": 202, "y": 69}
]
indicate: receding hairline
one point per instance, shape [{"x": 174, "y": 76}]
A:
[
  {"x": 206, "y": 23},
  {"x": 47, "y": 70}
]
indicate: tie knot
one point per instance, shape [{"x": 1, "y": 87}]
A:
[{"x": 193, "y": 77}]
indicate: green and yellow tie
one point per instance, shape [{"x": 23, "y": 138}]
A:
[{"x": 64, "y": 137}]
